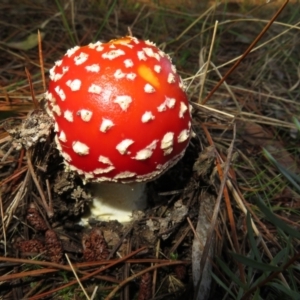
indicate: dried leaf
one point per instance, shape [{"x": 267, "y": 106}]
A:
[
  {"x": 256, "y": 135},
  {"x": 30, "y": 42},
  {"x": 205, "y": 162},
  {"x": 166, "y": 225}
]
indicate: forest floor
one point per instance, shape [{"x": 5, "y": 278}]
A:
[{"x": 223, "y": 223}]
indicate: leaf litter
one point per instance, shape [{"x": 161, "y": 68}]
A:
[{"x": 46, "y": 193}]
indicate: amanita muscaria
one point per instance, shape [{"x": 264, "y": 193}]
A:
[{"x": 121, "y": 117}]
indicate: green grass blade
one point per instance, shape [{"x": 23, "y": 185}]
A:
[
  {"x": 240, "y": 294},
  {"x": 250, "y": 270},
  {"x": 275, "y": 220},
  {"x": 292, "y": 279},
  {"x": 223, "y": 285},
  {"x": 66, "y": 24},
  {"x": 297, "y": 123},
  {"x": 280, "y": 257},
  {"x": 291, "y": 177},
  {"x": 107, "y": 15},
  {"x": 293, "y": 295},
  {"x": 229, "y": 273},
  {"x": 253, "y": 263},
  {"x": 252, "y": 240},
  {"x": 256, "y": 295}
]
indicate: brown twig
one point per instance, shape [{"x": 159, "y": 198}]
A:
[
  {"x": 35, "y": 102},
  {"x": 50, "y": 270},
  {"x": 223, "y": 176},
  {"x": 2, "y": 217},
  {"x": 179, "y": 240},
  {"x": 92, "y": 274},
  {"x": 50, "y": 204},
  {"x": 81, "y": 265},
  {"x": 77, "y": 278},
  {"x": 246, "y": 52},
  {"x": 154, "y": 277},
  {"x": 41, "y": 60},
  {"x": 222, "y": 191},
  {"x": 48, "y": 209},
  {"x": 14, "y": 176},
  {"x": 10, "y": 210},
  {"x": 117, "y": 288}
]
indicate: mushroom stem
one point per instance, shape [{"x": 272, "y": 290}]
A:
[{"x": 117, "y": 201}]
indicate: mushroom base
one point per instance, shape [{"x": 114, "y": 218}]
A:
[{"x": 113, "y": 201}]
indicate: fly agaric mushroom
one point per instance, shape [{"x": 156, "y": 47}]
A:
[{"x": 121, "y": 116}]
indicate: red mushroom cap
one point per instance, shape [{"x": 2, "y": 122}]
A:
[{"x": 121, "y": 113}]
